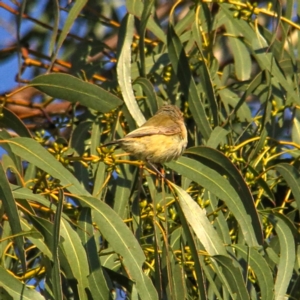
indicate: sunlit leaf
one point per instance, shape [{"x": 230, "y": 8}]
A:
[
  {"x": 199, "y": 222},
  {"x": 123, "y": 69},
  {"x": 218, "y": 185}
]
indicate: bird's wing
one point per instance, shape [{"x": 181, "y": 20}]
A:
[{"x": 152, "y": 130}]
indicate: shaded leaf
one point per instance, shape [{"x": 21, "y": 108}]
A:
[
  {"x": 123, "y": 242},
  {"x": 136, "y": 7},
  {"x": 33, "y": 152},
  {"x": 182, "y": 70},
  {"x": 12, "y": 121},
  {"x": 232, "y": 277},
  {"x": 15, "y": 288},
  {"x": 292, "y": 177},
  {"x": 72, "y": 15},
  {"x": 13, "y": 215},
  {"x": 70, "y": 88},
  {"x": 261, "y": 269}
]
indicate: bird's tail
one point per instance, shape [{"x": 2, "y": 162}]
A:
[{"x": 116, "y": 142}]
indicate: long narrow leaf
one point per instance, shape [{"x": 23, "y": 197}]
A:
[
  {"x": 182, "y": 70},
  {"x": 13, "y": 215},
  {"x": 197, "y": 219},
  {"x": 16, "y": 289},
  {"x": 287, "y": 255},
  {"x": 70, "y": 88},
  {"x": 33, "y": 152},
  {"x": 123, "y": 242},
  {"x": 124, "y": 66},
  {"x": 216, "y": 160},
  {"x": 218, "y": 185}
]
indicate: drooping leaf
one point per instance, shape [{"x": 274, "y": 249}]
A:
[
  {"x": 199, "y": 222},
  {"x": 15, "y": 288},
  {"x": 218, "y": 185},
  {"x": 287, "y": 255},
  {"x": 13, "y": 216},
  {"x": 123, "y": 242},
  {"x": 182, "y": 70},
  {"x": 124, "y": 66}
]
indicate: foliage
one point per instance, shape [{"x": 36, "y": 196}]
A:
[{"x": 81, "y": 221}]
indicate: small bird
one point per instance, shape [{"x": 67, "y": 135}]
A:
[{"x": 160, "y": 139}]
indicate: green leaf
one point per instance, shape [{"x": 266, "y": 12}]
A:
[
  {"x": 17, "y": 163},
  {"x": 124, "y": 68},
  {"x": 11, "y": 121},
  {"x": 123, "y": 242},
  {"x": 292, "y": 178},
  {"x": 241, "y": 109},
  {"x": 258, "y": 145},
  {"x": 220, "y": 221},
  {"x": 76, "y": 257},
  {"x": 287, "y": 255},
  {"x": 206, "y": 82},
  {"x": 199, "y": 222},
  {"x": 136, "y": 7},
  {"x": 56, "y": 279},
  {"x": 100, "y": 284},
  {"x": 288, "y": 13},
  {"x": 27, "y": 194},
  {"x": 167, "y": 274},
  {"x": 178, "y": 274},
  {"x": 79, "y": 137},
  {"x": 33, "y": 152},
  {"x": 10, "y": 166},
  {"x": 150, "y": 94},
  {"x": 194, "y": 246},
  {"x": 241, "y": 56},
  {"x": 261, "y": 182},
  {"x": 182, "y": 70},
  {"x": 224, "y": 190},
  {"x": 250, "y": 89},
  {"x": 99, "y": 180},
  {"x": 70, "y": 88},
  {"x": 153, "y": 64},
  {"x": 36, "y": 238},
  {"x": 217, "y": 137},
  {"x": 215, "y": 286},
  {"x": 122, "y": 189},
  {"x": 55, "y": 29},
  {"x": 45, "y": 228},
  {"x": 296, "y": 130},
  {"x": 71, "y": 18},
  {"x": 16, "y": 289},
  {"x": 216, "y": 160},
  {"x": 148, "y": 6},
  {"x": 260, "y": 267},
  {"x": 258, "y": 46},
  {"x": 232, "y": 277},
  {"x": 13, "y": 215}
]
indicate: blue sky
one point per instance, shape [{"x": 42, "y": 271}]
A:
[{"x": 8, "y": 34}]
